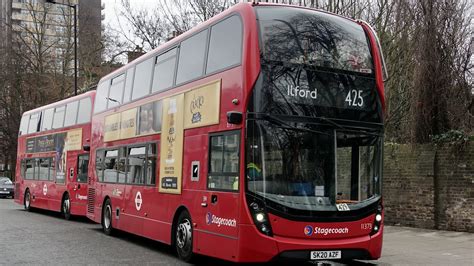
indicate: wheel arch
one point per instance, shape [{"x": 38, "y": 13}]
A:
[
  {"x": 102, "y": 207},
  {"x": 27, "y": 189},
  {"x": 178, "y": 211},
  {"x": 62, "y": 199}
]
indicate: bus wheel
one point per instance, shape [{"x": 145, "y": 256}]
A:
[
  {"x": 107, "y": 218},
  {"x": 184, "y": 237},
  {"x": 66, "y": 207},
  {"x": 27, "y": 201}
]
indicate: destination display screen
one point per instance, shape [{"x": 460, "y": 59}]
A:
[{"x": 300, "y": 90}]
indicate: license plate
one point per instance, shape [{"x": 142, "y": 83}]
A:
[
  {"x": 325, "y": 255},
  {"x": 4, "y": 192}
]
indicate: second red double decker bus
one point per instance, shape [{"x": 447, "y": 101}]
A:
[
  {"x": 52, "y": 163},
  {"x": 256, "y": 135}
]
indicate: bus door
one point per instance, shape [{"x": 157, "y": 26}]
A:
[
  {"x": 55, "y": 189},
  {"x": 113, "y": 184},
  {"x": 222, "y": 200},
  {"x": 80, "y": 186},
  {"x": 133, "y": 214}
]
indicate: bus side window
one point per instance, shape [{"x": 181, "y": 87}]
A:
[
  {"x": 151, "y": 164},
  {"x": 99, "y": 168},
  {"x": 23, "y": 168},
  {"x": 51, "y": 168},
  {"x": 110, "y": 166},
  {"x": 37, "y": 168},
  {"x": 82, "y": 167},
  {"x": 122, "y": 166},
  {"x": 136, "y": 165},
  {"x": 191, "y": 57},
  {"x": 30, "y": 169},
  {"x": 43, "y": 169},
  {"x": 224, "y": 162},
  {"x": 225, "y": 50}
]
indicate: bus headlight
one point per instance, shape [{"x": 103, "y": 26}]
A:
[
  {"x": 260, "y": 218},
  {"x": 378, "y": 219}
]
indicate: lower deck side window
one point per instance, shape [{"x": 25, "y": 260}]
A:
[{"x": 224, "y": 161}]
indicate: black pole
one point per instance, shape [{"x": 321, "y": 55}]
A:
[{"x": 75, "y": 49}]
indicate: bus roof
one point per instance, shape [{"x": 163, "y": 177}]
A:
[
  {"x": 64, "y": 101},
  {"x": 238, "y": 8},
  {"x": 165, "y": 46}
]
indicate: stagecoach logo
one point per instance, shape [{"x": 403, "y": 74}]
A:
[
  {"x": 80, "y": 197},
  {"x": 116, "y": 192},
  {"x": 195, "y": 108},
  {"x": 138, "y": 200},
  {"x": 45, "y": 189},
  {"x": 212, "y": 219},
  {"x": 209, "y": 218},
  {"x": 309, "y": 231}
]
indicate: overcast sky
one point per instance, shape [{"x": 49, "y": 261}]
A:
[{"x": 111, "y": 6}]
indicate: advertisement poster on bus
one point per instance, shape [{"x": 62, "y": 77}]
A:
[
  {"x": 202, "y": 105},
  {"x": 149, "y": 118},
  {"x": 60, "y": 143},
  {"x": 128, "y": 121},
  {"x": 171, "y": 159},
  {"x": 60, "y": 157}
]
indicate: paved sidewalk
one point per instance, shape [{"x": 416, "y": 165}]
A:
[{"x": 413, "y": 246}]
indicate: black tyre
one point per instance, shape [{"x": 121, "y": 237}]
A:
[
  {"x": 66, "y": 207},
  {"x": 107, "y": 218},
  {"x": 184, "y": 237},
  {"x": 27, "y": 201}
]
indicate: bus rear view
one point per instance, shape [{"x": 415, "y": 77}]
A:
[{"x": 314, "y": 139}]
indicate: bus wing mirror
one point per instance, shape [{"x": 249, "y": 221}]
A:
[
  {"x": 86, "y": 147},
  {"x": 234, "y": 117}
]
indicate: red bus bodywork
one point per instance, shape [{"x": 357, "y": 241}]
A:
[
  {"x": 158, "y": 212},
  {"x": 50, "y": 194}
]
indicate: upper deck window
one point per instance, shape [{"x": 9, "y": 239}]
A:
[
  {"x": 47, "y": 119},
  {"x": 142, "y": 81},
  {"x": 71, "y": 113},
  {"x": 85, "y": 108},
  {"x": 116, "y": 91},
  {"x": 33, "y": 125},
  {"x": 58, "y": 120},
  {"x": 25, "y": 119},
  {"x": 164, "y": 70},
  {"x": 127, "y": 93},
  {"x": 225, "y": 49},
  {"x": 301, "y": 36},
  {"x": 191, "y": 57},
  {"x": 101, "y": 97}
]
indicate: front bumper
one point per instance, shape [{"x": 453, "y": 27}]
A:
[{"x": 256, "y": 247}]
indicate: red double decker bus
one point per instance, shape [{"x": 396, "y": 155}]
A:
[
  {"x": 53, "y": 156},
  {"x": 256, "y": 135}
]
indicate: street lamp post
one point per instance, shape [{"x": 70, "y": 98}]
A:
[{"x": 74, "y": 7}]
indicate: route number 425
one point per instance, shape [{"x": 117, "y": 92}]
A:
[{"x": 354, "y": 98}]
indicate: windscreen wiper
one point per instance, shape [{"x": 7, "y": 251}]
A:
[
  {"x": 346, "y": 128},
  {"x": 273, "y": 119}
]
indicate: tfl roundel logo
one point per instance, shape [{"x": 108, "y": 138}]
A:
[
  {"x": 308, "y": 230},
  {"x": 209, "y": 218}
]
